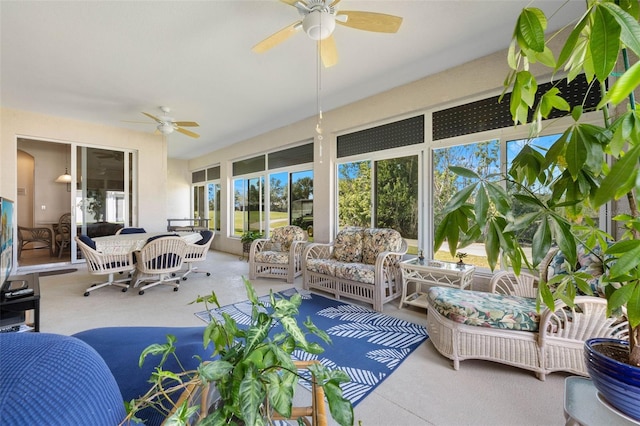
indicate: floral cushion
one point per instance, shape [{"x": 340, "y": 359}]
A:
[
  {"x": 359, "y": 272},
  {"x": 284, "y": 236},
  {"x": 345, "y": 270},
  {"x": 378, "y": 240},
  {"x": 589, "y": 261},
  {"x": 485, "y": 309},
  {"x": 348, "y": 245},
  {"x": 270, "y": 256}
]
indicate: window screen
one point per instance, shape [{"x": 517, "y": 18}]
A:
[
  {"x": 199, "y": 176},
  {"x": 250, "y": 165},
  {"x": 213, "y": 173},
  {"x": 288, "y": 157},
  {"x": 489, "y": 114},
  {"x": 393, "y": 135}
]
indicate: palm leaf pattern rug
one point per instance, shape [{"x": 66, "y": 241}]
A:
[{"x": 367, "y": 345}]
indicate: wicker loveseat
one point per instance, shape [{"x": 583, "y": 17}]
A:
[
  {"x": 361, "y": 264},
  {"x": 504, "y": 325}
]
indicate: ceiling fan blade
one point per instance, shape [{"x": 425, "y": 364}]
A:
[
  {"x": 187, "y": 132},
  {"x": 277, "y": 37},
  {"x": 156, "y": 119},
  {"x": 371, "y": 21},
  {"x": 335, "y": 2},
  {"x": 186, "y": 123},
  {"x": 290, "y": 2},
  {"x": 328, "y": 51}
]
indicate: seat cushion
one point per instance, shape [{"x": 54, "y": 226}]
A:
[
  {"x": 484, "y": 309},
  {"x": 279, "y": 257},
  {"x": 352, "y": 271}
]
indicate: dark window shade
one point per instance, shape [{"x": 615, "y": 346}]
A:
[
  {"x": 393, "y": 135},
  {"x": 289, "y": 157},
  {"x": 250, "y": 165},
  {"x": 489, "y": 114},
  {"x": 213, "y": 173},
  {"x": 199, "y": 176}
]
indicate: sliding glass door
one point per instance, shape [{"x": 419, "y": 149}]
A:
[{"x": 105, "y": 191}]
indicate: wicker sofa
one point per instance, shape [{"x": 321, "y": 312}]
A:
[
  {"x": 504, "y": 325},
  {"x": 361, "y": 264}
]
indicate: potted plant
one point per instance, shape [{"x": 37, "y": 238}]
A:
[
  {"x": 253, "y": 373},
  {"x": 575, "y": 172},
  {"x": 247, "y": 238}
]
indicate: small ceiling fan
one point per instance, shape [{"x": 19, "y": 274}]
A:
[
  {"x": 166, "y": 124},
  {"x": 319, "y": 19}
]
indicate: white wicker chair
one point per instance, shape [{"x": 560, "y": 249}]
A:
[
  {"x": 106, "y": 264},
  {"x": 158, "y": 260},
  {"x": 556, "y": 346},
  {"x": 268, "y": 261},
  {"x": 197, "y": 252}
]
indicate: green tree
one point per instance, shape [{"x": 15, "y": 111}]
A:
[
  {"x": 354, "y": 194},
  {"x": 302, "y": 189},
  {"x": 397, "y": 195}
]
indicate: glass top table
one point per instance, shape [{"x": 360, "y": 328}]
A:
[
  {"x": 584, "y": 407},
  {"x": 432, "y": 273}
]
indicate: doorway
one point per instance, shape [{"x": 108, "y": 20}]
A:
[
  {"x": 41, "y": 200},
  {"x": 92, "y": 188}
]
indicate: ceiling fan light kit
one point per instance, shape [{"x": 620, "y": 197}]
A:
[
  {"x": 319, "y": 25},
  {"x": 165, "y": 128}
]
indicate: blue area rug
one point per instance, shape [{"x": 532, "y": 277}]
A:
[{"x": 367, "y": 345}]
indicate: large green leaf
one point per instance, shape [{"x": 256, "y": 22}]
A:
[
  {"x": 604, "y": 42},
  {"x": 530, "y": 29},
  {"x": 623, "y": 86},
  {"x": 619, "y": 174},
  {"x": 340, "y": 408},
  {"x": 251, "y": 396},
  {"x": 570, "y": 45},
  {"x": 633, "y": 307},
  {"x": 630, "y": 29},
  {"x": 628, "y": 257},
  {"x": 541, "y": 241}
]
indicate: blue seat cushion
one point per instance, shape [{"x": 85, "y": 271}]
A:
[{"x": 88, "y": 241}]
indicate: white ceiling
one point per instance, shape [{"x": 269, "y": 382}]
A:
[{"x": 106, "y": 61}]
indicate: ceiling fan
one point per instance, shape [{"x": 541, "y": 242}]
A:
[
  {"x": 319, "y": 19},
  {"x": 166, "y": 124}
]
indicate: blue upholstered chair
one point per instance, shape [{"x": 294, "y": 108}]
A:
[{"x": 50, "y": 379}]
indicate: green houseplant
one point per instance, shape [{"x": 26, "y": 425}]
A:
[
  {"x": 575, "y": 173},
  {"x": 252, "y": 372}
]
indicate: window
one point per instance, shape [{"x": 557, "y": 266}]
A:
[
  {"x": 248, "y": 203},
  {"x": 263, "y": 201},
  {"x": 382, "y": 194},
  {"x": 483, "y": 158}
]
